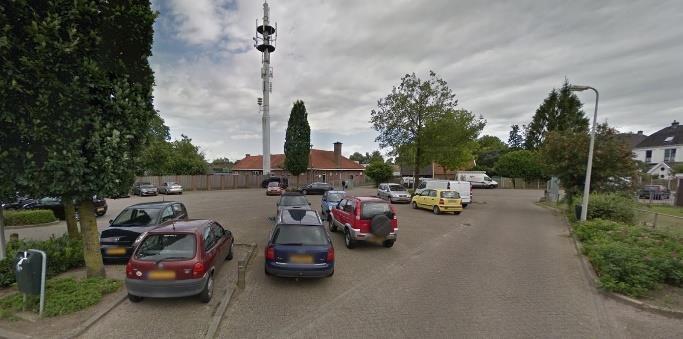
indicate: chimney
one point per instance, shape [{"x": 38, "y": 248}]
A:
[
  {"x": 337, "y": 153},
  {"x": 247, "y": 155},
  {"x": 640, "y": 132},
  {"x": 674, "y": 124}
]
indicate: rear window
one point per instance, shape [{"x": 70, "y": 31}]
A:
[
  {"x": 273, "y": 184},
  {"x": 157, "y": 247},
  {"x": 334, "y": 197},
  {"x": 371, "y": 209},
  {"x": 300, "y": 235},
  {"x": 293, "y": 200},
  {"x": 450, "y": 195},
  {"x": 133, "y": 216},
  {"x": 397, "y": 188}
]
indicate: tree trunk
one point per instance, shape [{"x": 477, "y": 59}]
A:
[
  {"x": 91, "y": 240},
  {"x": 70, "y": 216},
  {"x": 416, "y": 169},
  {"x": 3, "y": 247}
]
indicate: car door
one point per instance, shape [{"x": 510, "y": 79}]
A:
[
  {"x": 210, "y": 248},
  {"x": 340, "y": 214},
  {"x": 222, "y": 243},
  {"x": 433, "y": 199},
  {"x": 179, "y": 212},
  {"x": 381, "y": 191},
  {"x": 167, "y": 214}
]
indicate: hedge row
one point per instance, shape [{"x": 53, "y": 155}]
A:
[
  {"x": 612, "y": 206},
  {"x": 62, "y": 253},
  {"x": 28, "y": 217},
  {"x": 631, "y": 259}
]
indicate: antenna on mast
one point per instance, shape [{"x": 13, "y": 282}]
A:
[{"x": 264, "y": 42}]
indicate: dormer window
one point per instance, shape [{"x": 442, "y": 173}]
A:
[{"x": 669, "y": 139}]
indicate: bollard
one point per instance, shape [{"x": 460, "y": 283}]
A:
[
  {"x": 654, "y": 223},
  {"x": 14, "y": 237},
  {"x": 241, "y": 271}
]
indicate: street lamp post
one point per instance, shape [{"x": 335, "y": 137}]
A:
[{"x": 587, "y": 184}]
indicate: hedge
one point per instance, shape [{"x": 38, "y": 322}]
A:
[
  {"x": 611, "y": 206},
  {"x": 28, "y": 217},
  {"x": 631, "y": 259},
  {"x": 62, "y": 253}
]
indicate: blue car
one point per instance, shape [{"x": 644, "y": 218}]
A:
[
  {"x": 299, "y": 247},
  {"x": 329, "y": 200}
]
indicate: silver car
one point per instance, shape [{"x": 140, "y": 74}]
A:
[
  {"x": 171, "y": 188},
  {"x": 393, "y": 193}
]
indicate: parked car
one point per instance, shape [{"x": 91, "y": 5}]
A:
[
  {"x": 478, "y": 179},
  {"x": 144, "y": 188},
  {"x": 274, "y": 188},
  {"x": 298, "y": 246},
  {"x": 438, "y": 201},
  {"x": 464, "y": 188},
  {"x": 657, "y": 192},
  {"x": 393, "y": 193},
  {"x": 178, "y": 260},
  {"x": 329, "y": 200},
  {"x": 292, "y": 200},
  {"x": 57, "y": 207},
  {"x": 119, "y": 239},
  {"x": 316, "y": 188},
  {"x": 171, "y": 188},
  {"x": 365, "y": 219},
  {"x": 280, "y": 180},
  {"x": 17, "y": 202}
]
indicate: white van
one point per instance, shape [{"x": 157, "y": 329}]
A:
[
  {"x": 464, "y": 188},
  {"x": 477, "y": 178}
]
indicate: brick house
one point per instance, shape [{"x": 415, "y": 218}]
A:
[
  {"x": 662, "y": 151},
  {"x": 323, "y": 166}
]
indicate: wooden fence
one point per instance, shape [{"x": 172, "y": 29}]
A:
[{"x": 220, "y": 181}]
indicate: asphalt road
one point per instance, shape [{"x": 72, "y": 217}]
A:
[{"x": 503, "y": 268}]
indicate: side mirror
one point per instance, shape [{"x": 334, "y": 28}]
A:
[
  {"x": 309, "y": 203},
  {"x": 111, "y": 221}
]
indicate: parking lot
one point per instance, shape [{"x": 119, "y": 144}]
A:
[{"x": 504, "y": 267}]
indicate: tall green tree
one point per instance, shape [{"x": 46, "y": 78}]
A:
[
  {"x": 357, "y": 156},
  {"x": 566, "y": 156},
  {"x": 376, "y": 156},
  {"x": 451, "y": 140},
  {"x": 379, "y": 172},
  {"x": 520, "y": 164},
  {"x": 560, "y": 111},
  {"x": 187, "y": 158},
  {"x": 489, "y": 150},
  {"x": 515, "y": 139},
  {"x": 297, "y": 141},
  {"x": 402, "y": 116},
  {"x": 77, "y": 91}
]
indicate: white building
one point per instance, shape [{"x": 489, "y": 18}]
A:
[{"x": 662, "y": 150}]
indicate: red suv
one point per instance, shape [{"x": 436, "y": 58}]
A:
[
  {"x": 365, "y": 219},
  {"x": 178, "y": 260}
]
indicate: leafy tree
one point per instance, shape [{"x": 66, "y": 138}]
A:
[
  {"x": 402, "y": 116},
  {"x": 515, "y": 140},
  {"x": 379, "y": 172},
  {"x": 297, "y": 141},
  {"x": 566, "y": 156},
  {"x": 490, "y": 149},
  {"x": 357, "y": 156},
  {"x": 77, "y": 94},
  {"x": 451, "y": 140},
  {"x": 677, "y": 169},
  {"x": 375, "y": 156},
  {"x": 560, "y": 111},
  {"x": 520, "y": 164}
]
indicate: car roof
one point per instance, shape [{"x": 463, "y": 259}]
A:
[
  {"x": 292, "y": 194},
  {"x": 364, "y": 199},
  {"x": 183, "y": 226},
  {"x": 340, "y": 192},
  {"x": 154, "y": 204},
  {"x": 299, "y": 216}
]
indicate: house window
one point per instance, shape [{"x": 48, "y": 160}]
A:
[
  {"x": 670, "y": 154},
  {"x": 648, "y": 156}
]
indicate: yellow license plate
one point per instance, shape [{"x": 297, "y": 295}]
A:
[
  {"x": 116, "y": 251},
  {"x": 301, "y": 259},
  {"x": 161, "y": 275}
]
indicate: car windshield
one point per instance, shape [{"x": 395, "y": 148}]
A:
[
  {"x": 397, "y": 188},
  {"x": 300, "y": 235},
  {"x": 157, "y": 247},
  {"x": 171, "y": 184},
  {"x": 293, "y": 200},
  {"x": 137, "y": 216},
  {"x": 147, "y": 186},
  {"x": 274, "y": 184},
  {"x": 371, "y": 209},
  {"x": 334, "y": 197},
  {"x": 450, "y": 195}
]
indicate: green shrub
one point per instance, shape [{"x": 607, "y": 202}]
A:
[
  {"x": 62, "y": 253},
  {"x": 611, "y": 206},
  {"x": 28, "y": 217}
]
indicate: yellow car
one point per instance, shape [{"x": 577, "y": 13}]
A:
[{"x": 438, "y": 201}]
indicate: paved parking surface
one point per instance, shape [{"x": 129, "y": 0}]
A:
[{"x": 503, "y": 268}]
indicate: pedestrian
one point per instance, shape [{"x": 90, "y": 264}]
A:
[{"x": 343, "y": 185}]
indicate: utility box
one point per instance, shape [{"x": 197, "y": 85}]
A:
[{"x": 28, "y": 267}]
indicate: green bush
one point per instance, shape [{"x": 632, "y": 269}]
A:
[
  {"x": 28, "y": 217},
  {"x": 611, "y": 206},
  {"x": 631, "y": 259},
  {"x": 62, "y": 253}
]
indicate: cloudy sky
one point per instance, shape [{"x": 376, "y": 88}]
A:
[{"x": 501, "y": 58}]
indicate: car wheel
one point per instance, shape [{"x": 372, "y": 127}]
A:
[
  {"x": 350, "y": 243},
  {"x": 436, "y": 210},
  {"x": 331, "y": 274},
  {"x": 331, "y": 225},
  {"x": 465, "y": 205},
  {"x": 207, "y": 293},
  {"x": 134, "y": 298},
  {"x": 304, "y": 192},
  {"x": 268, "y": 274},
  {"x": 230, "y": 254},
  {"x": 413, "y": 205},
  {"x": 388, "y": 243},
  {"x": 456, "y": 213}
]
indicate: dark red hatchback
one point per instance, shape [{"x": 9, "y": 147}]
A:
[{"x": 178, "y": 260}]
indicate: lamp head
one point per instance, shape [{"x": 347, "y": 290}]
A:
[{"x": 578, "y": 88}]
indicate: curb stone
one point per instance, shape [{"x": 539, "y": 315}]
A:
[
  {"x": 223, "y": 306},
  {"x": 593, "y": 279},
  {"x": 12, "y": 335},
  {"x": 16, "y": 227},
  {"x": 97, "y": 316}
]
